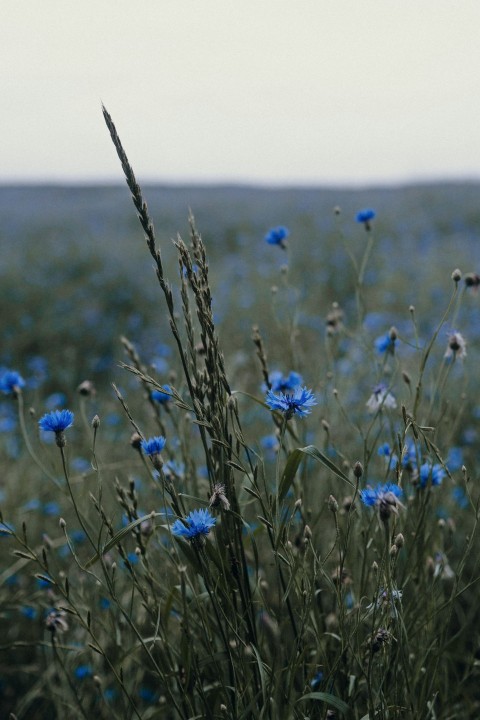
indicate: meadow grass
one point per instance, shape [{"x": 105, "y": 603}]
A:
[{"x": 272, "y": 512}]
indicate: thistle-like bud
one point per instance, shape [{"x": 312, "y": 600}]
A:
[
  {"x": 456, "y": 275},
  {"x": 86, "y": 389},
  {"x": 399, "y": 541},
  {"x": 332, "y": 504},
  {"x": 136, "y": 441},
  {"x": 358, "y": 469},
  {"x": 95, "y": 422}
]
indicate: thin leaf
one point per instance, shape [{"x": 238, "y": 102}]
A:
[
  {"x": 118, "y": 537},
  {"x": 340, "y": 705}
]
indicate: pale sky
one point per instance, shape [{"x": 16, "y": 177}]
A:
[{"x": 262, "y": 91}]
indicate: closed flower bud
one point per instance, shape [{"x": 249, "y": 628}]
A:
[
  {"x": 332, "y": 504},
  {"x": 95, "y": 422},
  {"x": 399, "y": 541},
  {"x": 86, "y": 388},
  {"x": 136, "y": 441},
  {"x": 358, "y": 469},
  {"x": 456, "y": 275},
  {"x": 307, "y": 533},
  {"x": 393, "y": 551}
]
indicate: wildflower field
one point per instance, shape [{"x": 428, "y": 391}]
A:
[{"x": 239, "y": 430}]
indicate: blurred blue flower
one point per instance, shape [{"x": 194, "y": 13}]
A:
[
  {"x": 374, "y": 496},
  {"x": 81, "y": 465},
  {"x": 11, "y": 381},
  {"x": 283, "y": 383},
  {"x": 435, "y": 473},
  {"x": 33, "y": 504},
  {"x": 196, "y": 524},
  {"x": 454, "y": 459},
  {"x": 104, "y": 603},
  {"x": 83, "y": 671},
  {"x": 154, "y": 445},
  {"x": 459, "y": 496},
  {"x": 162, "y": 397},
  {"x": 364, "y": 216},
  {"x": 29, "y": 612},
  {"x": 316, "y": 680},
  {"x": 384, "y": 344},
  {"x": 297, "y": 403},
  {"x": 56, "y": 421},
  {"x": 51, "y": 508},
  {"x": 57, "y": 399},
  {"x": 380, "y": 398},
  {"x": 277, "y": 236}
]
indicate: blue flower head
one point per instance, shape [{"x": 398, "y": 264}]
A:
[
  {"x": 153, "y": 446},
  {"x": 277, "y": 236},
  {"x": 296, "y": 403},
  {"x": 384, "y": 497},
  {"x": 434, "y": 473},
  {"x": 195, "y": 526},
  {"x": 11, "y": 382},
  {"x": 284, "y": 383},
  {"x": 57, "y": 421},
  {"x": 385, "y": 344},
  {"x": 162, "y": 397},
  {"x": 365, "y": 216}
]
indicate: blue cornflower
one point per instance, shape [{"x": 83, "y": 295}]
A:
[
  {"x": 162, "y": 397},
  {"x": 29, "y": 612},
  {"x": 56, "y": 421},
  {"x": 11, "y": 382},
  {"x": 434, "y": 473},
  {"x": 365, "y": 216},
  {"x": 283, "y": 383},
  {"x": 460, "y": 497},
  {"x": 83, "y": 671},
  {"x": 385, "y": 344},
  {"x": 297, "y": 403},
  {"x": 454, "y": 459},
  {"x": 384, "y": 497},
  {"x": 316, "y": 680},
  {"x": 195, "y": 526},
  {"x": 154, "y": 445},
  {"x": 277, "y": 236}
]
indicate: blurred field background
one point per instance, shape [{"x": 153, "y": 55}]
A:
[{"x": 75, "y": 277}]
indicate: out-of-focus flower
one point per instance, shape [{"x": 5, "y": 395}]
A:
[
  {"x": 277, "y": 236},
  {"x": 162, "y": 397},
  {"x": 432, "y": 473},
  {"x": 297, "y": 403},
  {"x": 218, "y": 498},
  {"x": 365, "y": 216},
  {"x": 83, "y": 671},
  {"x": 386, "y": 600},
  {"x": 384, "y": 497},
  {"x": 456, "y": 347},
  {"x": 381, "y": 398},
  {"x": 284, "y": 383},
  {"x": 385, "y": 344},
  {"x": 55, "y": 622},
  {"x": 11, "y": 382}
]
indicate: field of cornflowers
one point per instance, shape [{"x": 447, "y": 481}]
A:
[{"x": 239, "y": 459}]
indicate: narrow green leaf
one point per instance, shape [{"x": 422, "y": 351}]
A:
[
  {"x": 118, "y": 537},
  {"x": 293, "y": 461},
  {"x": 327, "y": 698}
]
